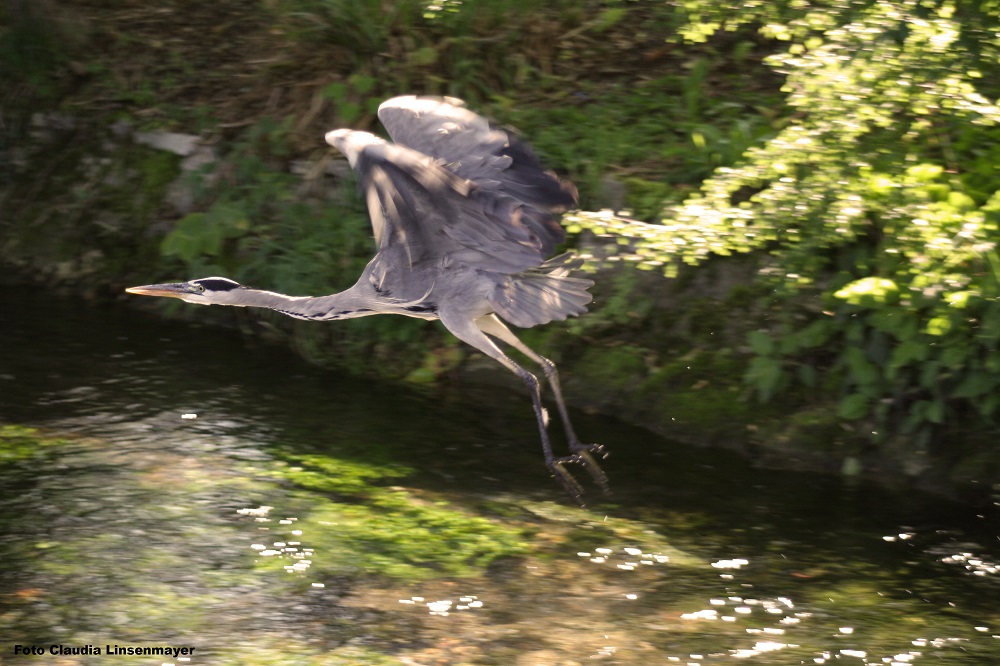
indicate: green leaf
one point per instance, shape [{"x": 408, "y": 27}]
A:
[
  {"x": 228, "y": 220},
  {"x": 817, "y": 333},
  {"x": 424, "y": 56},
  {"x": 938, "y": 326},
  {"x": 975, "y": 384},
  {"x": 853, "y": 407},
  {"x": 957, "y": 355},
  {"x": 807, "y": 375},
  {"x": 335, "y": 92},
  {"x": 349, "y": 111},
  {"x": 869, "y": 292},
  {"x": 896, "y": 321},
  {"x": 917, "y": 415},
  {"x": 608, "y": 18},
  {"x": 988, "y": 404},
  {"x": 761, "y": 343},
  {"x": 930, "y": 375},
  {"x": 765, "y": 375},
  {"x": 362, "y": 83},
  {"x": 860, "y": 370},
  {"x": 924, "y": 173},
  {"x": 935, "y": 411},
  {"x": 960, "y": 299},
  {"x": 908, "y": 352}
]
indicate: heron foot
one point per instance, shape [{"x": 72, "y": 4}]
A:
[
  {"x": 580, "y": 457},
  {"x": 587, "y": 452},
  {"x": 569, "y": 484},
  {"x": 596, "y": 449}
]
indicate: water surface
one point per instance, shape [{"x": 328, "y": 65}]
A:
[{"x": 229, "y": 498}]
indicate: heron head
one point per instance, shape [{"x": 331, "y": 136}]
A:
[{"x": 204, "y": 291}]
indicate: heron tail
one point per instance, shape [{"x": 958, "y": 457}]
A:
[{"x": 540, "y": 295}]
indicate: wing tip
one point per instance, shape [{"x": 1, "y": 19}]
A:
[
  {"x": 420, "y": 104},
  {"x": 351, "y": 142}
]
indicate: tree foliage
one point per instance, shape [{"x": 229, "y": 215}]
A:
[{"x": 877, "y": 205}]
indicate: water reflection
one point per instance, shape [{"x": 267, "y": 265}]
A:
[
  {"x": 972, "y": 563},
  {"x": 443, "y": 607},
  {"x": 265, "y": 512}
]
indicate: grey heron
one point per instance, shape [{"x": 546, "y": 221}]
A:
[{"x": 466, "y": 220}]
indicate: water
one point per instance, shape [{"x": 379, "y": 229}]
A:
[{"x": 232, "y": 501}]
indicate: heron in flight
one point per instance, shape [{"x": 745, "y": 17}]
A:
[{"x": 465, "y": 218}]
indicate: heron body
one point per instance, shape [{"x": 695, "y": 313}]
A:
[{"x": 466, "y": 220}]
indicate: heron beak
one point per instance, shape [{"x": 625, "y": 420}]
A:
[{"x": 172, "y": 290}]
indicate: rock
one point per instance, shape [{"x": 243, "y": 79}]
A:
[
  {"x": 181, "y": 193},
  {"x": 178, "y": 144},
  {"x": 201, "y": 156}
]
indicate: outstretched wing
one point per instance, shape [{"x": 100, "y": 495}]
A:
[
  {"x": 543, "y": 294},
  {"x": 417, "y": 204},
  {"x": 495, "y": 160}
]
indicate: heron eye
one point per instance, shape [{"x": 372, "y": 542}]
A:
[{"x": 200, "y": 288}]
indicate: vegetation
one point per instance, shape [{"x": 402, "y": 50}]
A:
[
  {"x": 387, "y": 531},
  {"x": 849, "y": 148},
  {"x": 878, "y": 208},
  {"x": 23, "y": 447}
]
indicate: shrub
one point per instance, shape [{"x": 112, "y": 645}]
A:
[{"x": 877, "y": 206}]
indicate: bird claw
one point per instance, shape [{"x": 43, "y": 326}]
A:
[
  {"x": 581, "y": 456},
  {"x": 588, "y": 462},
  {"x": 596, "y": 449},
  {"x": 569, "y": 484}
]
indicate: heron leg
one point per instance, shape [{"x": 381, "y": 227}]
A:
[
  {"x": 496, "y": 328},
  {"x": 467, "y": 331}
]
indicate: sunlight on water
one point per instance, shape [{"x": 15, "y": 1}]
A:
[
  {"x": 768, "y": 629},
  {"x": 444, "y": 607},
  {"x": 730, "y": 564},
  {"x": 294, "y": 551},
  {"x": 760, "y": 648},
  {"x": 629, "y": 559},
  {"x": 684, "y": 571},
  {"x": 902, "y": 536},
  {"x": 773, "y": 624},
  {"x": 735, "y": 609},
  {"x": 974, "y": 564}
]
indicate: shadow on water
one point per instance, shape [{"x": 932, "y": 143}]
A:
[{"x": 184, "y": 490}]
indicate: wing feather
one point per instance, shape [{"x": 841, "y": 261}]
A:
[
  {"x": 417, "y": 203},
  {"x": 454, "y": 190},
  {"x": 543, "y": 294},
  {"x": 494, "y": 159}
]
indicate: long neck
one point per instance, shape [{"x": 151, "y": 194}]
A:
[{"x": 344, "y": 305}]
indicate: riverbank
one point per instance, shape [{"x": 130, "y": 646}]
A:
[{"x": 145, "y": 148}]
